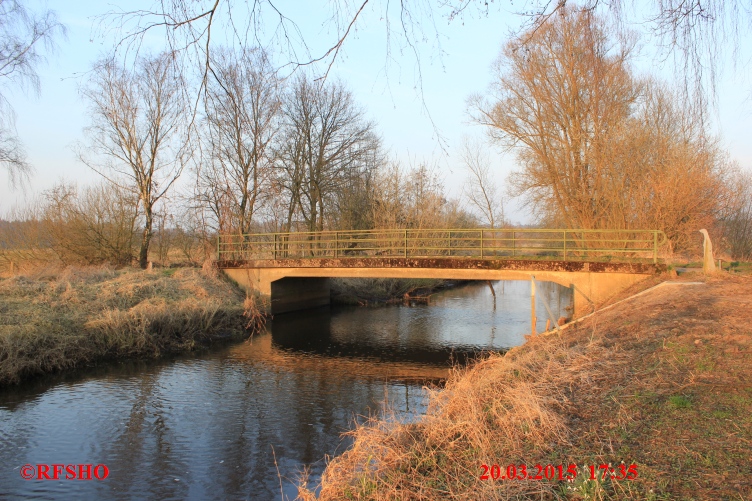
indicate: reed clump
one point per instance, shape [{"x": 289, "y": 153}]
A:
[{"x": 78, "y": 316}]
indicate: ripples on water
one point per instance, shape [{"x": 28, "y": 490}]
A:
[{"x": 211, "y": 427}]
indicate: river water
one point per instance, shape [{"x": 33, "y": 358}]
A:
[{"x": 242, "y": 421}]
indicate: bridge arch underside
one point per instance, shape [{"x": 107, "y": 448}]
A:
[{"x": 294, "y": 288}]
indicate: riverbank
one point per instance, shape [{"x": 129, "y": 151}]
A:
[
  {"x": 661, "y": 381},
  {"x": 81, "y": 316}
]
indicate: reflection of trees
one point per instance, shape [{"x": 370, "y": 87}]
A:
[
  {"x": 142, "y": 455},
  {"x": 276, "y": 398}
]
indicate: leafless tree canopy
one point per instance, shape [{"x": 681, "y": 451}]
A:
[
  {"x": 23, "y": 38},
  {"x": 326, "y": 142},
  {"x": 480, "y": 189},
  {"x": 598, "y": 147},
  {"x": 138, "y": 134},
  {"x": 561, "y": 91},
  {"x": 737, "y": 222},
  {"x": 243, "y": 103},
  {"x": 91, "y": 225}
]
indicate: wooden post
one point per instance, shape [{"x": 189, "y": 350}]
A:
[
  {"x": 548, "y": 324},
  {"x": 336, "y": 244},
  {"x": 406, "y": 243},
  {"x": 532, "y": 303}
]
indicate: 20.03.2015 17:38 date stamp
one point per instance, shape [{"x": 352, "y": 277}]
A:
[{"x": 568, "y": 472}]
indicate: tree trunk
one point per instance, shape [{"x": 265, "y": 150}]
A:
[{"x": 143, "y": 255}]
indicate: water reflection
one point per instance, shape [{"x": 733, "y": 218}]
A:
[{"x": 237, "y": 422}]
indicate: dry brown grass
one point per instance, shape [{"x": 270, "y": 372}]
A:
[
  {"x": 63, "y": 319},
  {"x": 662, "y": 381}
]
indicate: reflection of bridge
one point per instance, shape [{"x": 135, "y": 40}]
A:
[{"x": 293, "y": 268}]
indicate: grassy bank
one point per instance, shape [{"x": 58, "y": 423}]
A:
[
  {"x": 79, "y": 316},
  {"x": 662, "y": 381}
]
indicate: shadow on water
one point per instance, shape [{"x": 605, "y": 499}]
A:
[{"x": 324, "y": 332}]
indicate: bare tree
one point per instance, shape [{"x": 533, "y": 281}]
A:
[
  {"x": 326, "y": 140},
  {"x": 666, "y": 170},
  {"x": 92, "y": 225},
  {"x": 738, "y": 221},
  {"x": 22, "y": 37},
  {"x": 138, "y": 131},
  {"x": 599, "y": 148},
  {"x": 559, "y": 93},
  {"x": 242, "y": 109},
  {"x": 412, "y": 197},
  {"x": 480, "y": 188}
]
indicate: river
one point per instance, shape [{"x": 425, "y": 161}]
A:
[{"x": 242, "y": 421}]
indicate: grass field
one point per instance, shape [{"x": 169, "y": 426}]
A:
[{"x": 64, "y": 319}]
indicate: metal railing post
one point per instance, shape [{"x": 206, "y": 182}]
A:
[
  {"x": 565, "y": 245},
  {"x": 655, "y": 246}
]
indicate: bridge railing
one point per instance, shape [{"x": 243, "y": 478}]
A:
[{"x": 567, "y": 245}]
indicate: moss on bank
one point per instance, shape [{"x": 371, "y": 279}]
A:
[
  {"x": 662, "y": 381},
  {"x": 85, "y": 315}
]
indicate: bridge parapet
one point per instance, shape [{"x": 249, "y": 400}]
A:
[{"x": 504, "y": 244}]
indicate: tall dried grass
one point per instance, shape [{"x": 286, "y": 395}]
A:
[
  {"x": 83, "y": 315},
  {"x": 504, "y": 409}
]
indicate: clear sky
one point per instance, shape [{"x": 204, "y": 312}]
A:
[{"x": 52, "y": 123}]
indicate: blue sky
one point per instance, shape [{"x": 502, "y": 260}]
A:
[{"x": 51, "y": 124}]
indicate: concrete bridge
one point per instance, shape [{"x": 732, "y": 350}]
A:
[{"x": 293, "y": 269}]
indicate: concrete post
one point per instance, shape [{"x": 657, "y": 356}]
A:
[
  {"x": 708, "y": 265},
  {"x": 532, "y": 302}
]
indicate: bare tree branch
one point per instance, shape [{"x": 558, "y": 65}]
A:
[{"x": 23, "y": 38}]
